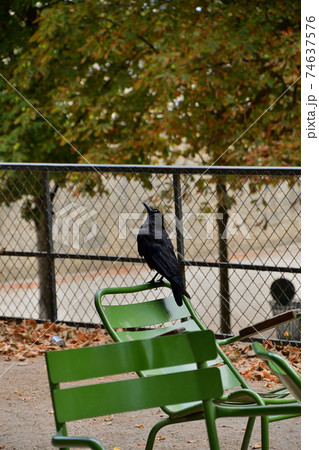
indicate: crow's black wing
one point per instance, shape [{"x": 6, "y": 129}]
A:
[
  {"x": 145, "y": 249},
  {"x": 159, "y": 254},
  {"x": 166, "y": 262},
  {"x": 141, "y": 247}
]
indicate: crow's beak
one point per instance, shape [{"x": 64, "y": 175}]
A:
[{"x": 148, "y": 208}]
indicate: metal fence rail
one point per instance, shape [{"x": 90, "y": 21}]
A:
[{"x": 69, "y": 230}]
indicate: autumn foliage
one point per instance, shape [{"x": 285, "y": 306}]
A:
[
  {"x": 24, "y": 339},
  {"x": 251, "y": 367},
  {"x": 130, "y": 82}
]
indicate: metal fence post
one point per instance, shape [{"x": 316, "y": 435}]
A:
[
  {"x": 48, "y": 228},
  {"x": 179, "y": 222},
  {"x": 222, "y": 220}
]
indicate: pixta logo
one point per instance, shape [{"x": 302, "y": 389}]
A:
[
  {"x": 129, "y": 223},
  {"x": 74, "y": 225}
]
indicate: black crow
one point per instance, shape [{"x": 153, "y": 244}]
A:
[{"x": 154, "y": 244}]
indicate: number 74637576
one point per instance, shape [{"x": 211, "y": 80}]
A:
[{"x": 310, "y": 46}]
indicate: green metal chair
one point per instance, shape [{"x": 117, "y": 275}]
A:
[
  {"x": 92, "y": 400},
  {"x": 179, "y": 383},
  {"x": 155, "y": 317},
  {"x": 281, "y": 368}
]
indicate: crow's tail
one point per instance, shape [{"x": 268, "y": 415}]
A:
[{"x": 178, "y": 292}]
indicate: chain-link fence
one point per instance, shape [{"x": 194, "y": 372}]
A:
[{"x": 69, "y": 230}]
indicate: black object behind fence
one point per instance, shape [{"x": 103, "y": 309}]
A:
[{"x": 69, "y": 230}]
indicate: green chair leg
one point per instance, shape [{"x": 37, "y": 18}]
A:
[
  {"x": 210, "y": 418},
  {"x": 265, "y": 433},
  {"x": 210, "y": 425},
  {"x": 248, "y": 432},
  {"x": 154, "y": 430}
]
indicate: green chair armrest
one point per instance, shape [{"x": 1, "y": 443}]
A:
[
  {"x": 264, "y": 325},
  {"x": 281, "y": 368},
  {"x": 267, "y": 324}
]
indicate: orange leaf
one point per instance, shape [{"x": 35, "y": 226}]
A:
[
  {"x": 160, "y": 438},
  {"x": 32, "y": 323},
  {"x": 81, "y": 336}
]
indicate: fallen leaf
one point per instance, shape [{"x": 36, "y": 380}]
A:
[
  {"x": 269, "y": 376},
  {"x": 30, "y": 354},
  {"x": 100, "y": 337},
  {"x": 108, "y": 418},
  {"x": 160, "y": 438},
  {"x": 234, "y": 354},
  {"x": 81, "y": 336},
  {"x": 33, "y": 323},
  {"x": 257, "y": 445},
  {"x": 139, "y": 426}
]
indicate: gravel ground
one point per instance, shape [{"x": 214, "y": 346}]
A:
[{"x": 26, "y": 420}]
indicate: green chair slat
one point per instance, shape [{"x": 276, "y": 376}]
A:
[
  {"x": 141, "y": 314},
  {"x": 95, "y": 400},
  {"x": 130, "y": 356}
]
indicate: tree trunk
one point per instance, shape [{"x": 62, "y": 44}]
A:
[
  {"x": 222, "y": 219},
  {"x": 47, "y": 301}
]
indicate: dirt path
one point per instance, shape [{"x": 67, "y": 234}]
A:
[{"x": 26, "y": 420}]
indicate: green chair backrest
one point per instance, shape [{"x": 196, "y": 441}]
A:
[
  {"x": 281, "y": 368},
  {"x": 104, "y": 398},
  {"x": 150, "y": 313},
  {"x": 150, "y": 318}
]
